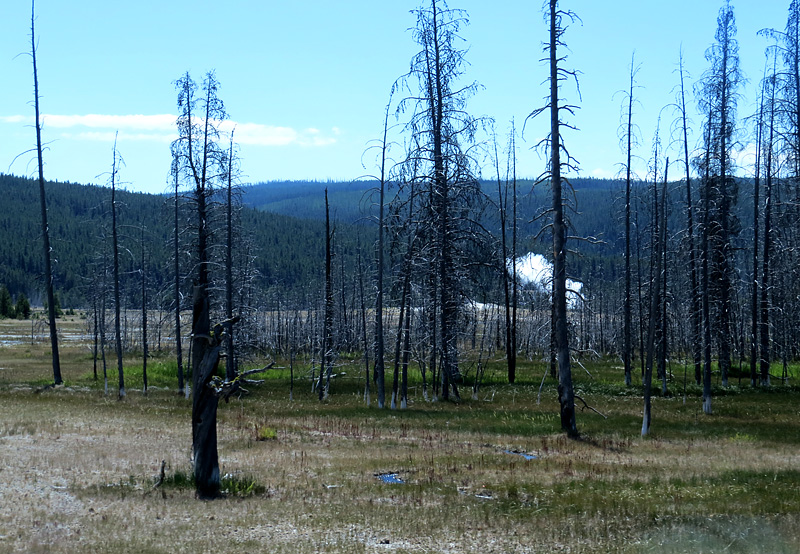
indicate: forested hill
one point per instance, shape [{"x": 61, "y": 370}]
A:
[
  {"x": 356, "y": 201},
  {"x": 287, "y": 251},
  {"x": 597, "y": 212},
  {"x": 285, "y": 221}
]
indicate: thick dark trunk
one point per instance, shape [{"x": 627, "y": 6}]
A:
[
  {"x": 205, "y": 362},
  {"x": 566, "y": 394}
]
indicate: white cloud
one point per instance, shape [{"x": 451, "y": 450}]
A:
[
  {"x": 109, "y": 136},
  {"x": 161, "y": 122},
  {"x": 16, "y": 119},
  {"x": 161, "y": 128},
  {"x": 262, "y": 135},
  {"x": 600, "y": 173}
]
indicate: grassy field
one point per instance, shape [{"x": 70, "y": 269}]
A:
[{"x": 78, "y": 466}]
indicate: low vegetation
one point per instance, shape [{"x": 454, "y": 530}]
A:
[{"x": 301, "y": 476}]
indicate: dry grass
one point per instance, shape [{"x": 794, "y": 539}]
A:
[{"x": 78, "y": 468}]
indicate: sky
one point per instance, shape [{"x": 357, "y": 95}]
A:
[{"x": 307, "y": 81}]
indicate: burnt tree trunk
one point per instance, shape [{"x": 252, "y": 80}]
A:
[
  {"x": 326, "y": 366},
  {"x": 205, "y": 362},
  {"x": 176, "y": 254},
  {"x": 117, "y": 306},
  {"x": 48, "y": 267},
  {"x": 144, "y": 319},
  {"x": 697, "y": 342},
  {"x": 566, "y": 394}
]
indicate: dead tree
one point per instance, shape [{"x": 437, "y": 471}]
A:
[
  {"x": 200, "y": 158},
  {"x": 765, "y": 303},
  {"x": 115, "y": 250},
  {"x": 230, "y": 359},
  {"x": 718, "y": 97},
  {"x": 656, "y": 331},
  {"x": 440, "y": 132},
  {"x": 558, "y": 223},
  {"x": 627, "y": 333},
  {"x": 697, "y": 342},
  {"x": 326, "y": 365},
  {"x": 144, "y": 316},
  {"x": 48, "y": 267},
  {"x": 507, "y": 276},
  {"x": 177, "y": 268}
]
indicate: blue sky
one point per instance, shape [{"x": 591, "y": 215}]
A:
[{"x": 307, "y": 81}]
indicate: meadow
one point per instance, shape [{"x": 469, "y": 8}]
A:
[{"x": 492, "y": 474}]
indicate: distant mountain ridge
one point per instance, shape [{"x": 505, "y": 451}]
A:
[
  {"x": 285, "y": 222},
  {"x": 287, "y": 249}
]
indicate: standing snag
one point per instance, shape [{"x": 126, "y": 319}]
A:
[
  {"x": 200, "y": 159},
  {"x": 48, "y": 266},
  {"x": 557, "y": 164},
  {"x": 441, "y": 167}
]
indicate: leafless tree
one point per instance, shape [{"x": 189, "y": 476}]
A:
[
  {"x": 48, "y": 267},
  {"x": 115, "y": 164},
  {"x": 441, "y": 133},
  {"x": 200, "y": 159},
  {"x": 555, "y": 176},
  {"x": 629, "y": 137},
  {"x": 718, "y": 95}
]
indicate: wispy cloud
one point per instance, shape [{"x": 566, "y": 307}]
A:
[
  {"x": 161, "y": 128},
  {"x": 602, "y": 173},
  {"x": 110, "y": 136}
]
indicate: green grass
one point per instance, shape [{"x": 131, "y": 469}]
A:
[{"x": 299, "y": 474}]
